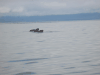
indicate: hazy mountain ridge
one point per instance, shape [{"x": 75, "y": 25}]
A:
[{"x": 71, "y": 17}]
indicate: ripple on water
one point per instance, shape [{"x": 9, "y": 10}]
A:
[
  {"x": 55, "y": 74},
  {"x": 6, "y": 67},
  {"x": 86, "y": 61},
  {"x": 28, "y": 60},
  {"x": 40, "y": 41},
  {"x": 96, "y": 73},
  {"x": 26, "y": 73},
  {"x": 95, "y": 65},
  {"x": 70, "y": 68},
  {"x": 19, "y": 53},
  {"x": 77, "y": 72},
  {"x": 31, "y": 62},
  {"x": 52, "y": 31}
]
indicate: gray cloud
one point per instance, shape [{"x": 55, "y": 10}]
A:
[{"x": 47, "y": 7}]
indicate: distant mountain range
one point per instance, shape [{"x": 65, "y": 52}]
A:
[{"x": 70, "y": 17}]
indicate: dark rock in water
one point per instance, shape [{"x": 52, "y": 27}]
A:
[{"x": 36, "y": 30}]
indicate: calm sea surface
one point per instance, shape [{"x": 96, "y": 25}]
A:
[{"x": 64, "y": 48}]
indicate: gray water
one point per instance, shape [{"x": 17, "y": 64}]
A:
[{"x": 64, "y": 48}]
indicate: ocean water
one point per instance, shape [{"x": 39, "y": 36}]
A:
[{"x": 64, "y": 48}]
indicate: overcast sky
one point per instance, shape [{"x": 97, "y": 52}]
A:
[{"x": 47, "y": 7}]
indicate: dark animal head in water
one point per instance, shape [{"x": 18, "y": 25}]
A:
[{"x": 37, "y": 29}]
